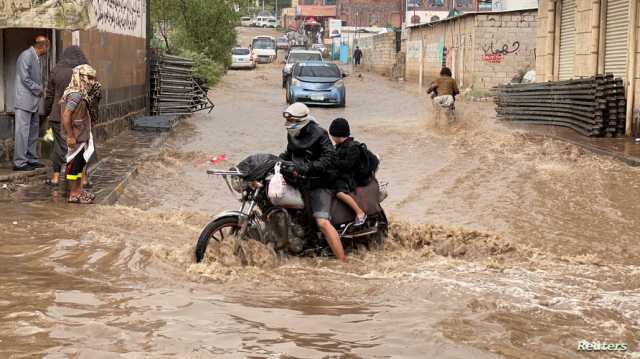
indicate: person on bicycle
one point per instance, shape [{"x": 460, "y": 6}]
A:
[
  {"x": 311, "y": 154},
  {"x": 444, "y": 89}
]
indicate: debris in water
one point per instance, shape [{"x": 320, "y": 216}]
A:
[{"x": 218, "y": 158}]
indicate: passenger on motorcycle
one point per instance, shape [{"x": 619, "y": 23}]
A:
[
  {"x": 310, "y": 154},
  {"x": 346, "y": 162},
  {"x": 444, "y": 89}
]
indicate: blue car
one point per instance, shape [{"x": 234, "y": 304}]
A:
[{"x": 316, "y": 83}]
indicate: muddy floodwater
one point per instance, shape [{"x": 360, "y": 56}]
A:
[{"x": 503, "y": 245}]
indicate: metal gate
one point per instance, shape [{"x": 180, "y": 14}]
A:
[
  {"x": 567, "y": 39},
  {"x": 616, "y": 37}
]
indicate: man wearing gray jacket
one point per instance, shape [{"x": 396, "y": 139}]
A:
[{"x": 29, "y": 92}]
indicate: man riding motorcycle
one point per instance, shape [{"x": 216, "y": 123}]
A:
[{"x": 309, "y": 154}]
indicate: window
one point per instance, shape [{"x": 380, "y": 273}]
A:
[
  {"x": 240, "y": 51},
  {"x": 263, "y": 44},
  {"x": 303, "y": 57},
  {"x": 329, "y": 2},
  {"x": 330, "y": 71}
]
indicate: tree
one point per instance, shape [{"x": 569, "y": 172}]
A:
[{"x": 205, "y": 29}]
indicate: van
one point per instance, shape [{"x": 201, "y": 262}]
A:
[
  {"x": 264, "y": 48},
  {"x": 263, "y": 21}
]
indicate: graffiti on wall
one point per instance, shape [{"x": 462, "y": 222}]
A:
[
  {"x": 495, "y": 55},
  {"x": 124, "y": 17},
  {"x": 55, "y": 14}
]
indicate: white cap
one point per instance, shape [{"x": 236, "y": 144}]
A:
[{"x": 298, "y": 111}]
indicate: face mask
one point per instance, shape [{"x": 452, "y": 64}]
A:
[{"x": 295, "y": 128}]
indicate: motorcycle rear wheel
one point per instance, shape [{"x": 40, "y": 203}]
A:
[{"x": 218, "y": 230}]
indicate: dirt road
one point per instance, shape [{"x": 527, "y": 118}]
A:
[{"x": 503, "y": 245}]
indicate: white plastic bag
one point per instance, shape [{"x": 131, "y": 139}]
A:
[{"x": 283, "y": 194}]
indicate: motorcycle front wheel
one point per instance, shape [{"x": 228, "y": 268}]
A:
[{"x": 221, "y": 229}]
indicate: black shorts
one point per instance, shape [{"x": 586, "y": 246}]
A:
[
  {"x": 74, "y": 168},
  {"x": 343, "y": 186},
  {"x": 321, "y": 202}
]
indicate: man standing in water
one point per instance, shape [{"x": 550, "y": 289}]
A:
[
  {"x": 76, "y": 103},
  {"x": 311, "y": 152}
]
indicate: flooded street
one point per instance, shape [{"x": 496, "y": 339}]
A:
[{"x": 503, "y": 245}]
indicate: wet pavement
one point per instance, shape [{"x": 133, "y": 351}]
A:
[{"x": 504, "y": 244}]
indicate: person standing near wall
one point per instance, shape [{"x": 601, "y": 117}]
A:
[
  {"x": 75, "y": 106},
  {"x": 60, "y": 77},
  {"x": 29, "y": 92},
  {"x": 357, "y": 56}
]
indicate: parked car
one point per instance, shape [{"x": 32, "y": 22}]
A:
[
  {"x": 264, "y": 48},
  {"x": 245, "y": 21},
  {"x": 242, "y": 58},
  {"x": 295, "y": 56},
  {"x": 282, "y": 43},
  {"x": 272, "y": 23},
  {"x": 316, "y": 83}
]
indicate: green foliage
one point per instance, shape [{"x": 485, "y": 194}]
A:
[
  {"x": 205, "y": 68},
  {"x": 205, "y": 29}
]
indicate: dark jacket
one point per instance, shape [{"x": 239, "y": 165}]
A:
[
  {"x": 60, "y": 77},
  {"x": 313, "y": 152},
  {"x": 357, "y": 54},
  {"x": 346, "y": 162}
]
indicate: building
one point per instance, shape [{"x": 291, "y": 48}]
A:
[
  {"x": 368, "y": 13},
  {"x": 113, "y": 36},
  {"x": 425, "y": 11},
  {"x": 482, "y": 49},
  {"x": 581, "y": 38}
]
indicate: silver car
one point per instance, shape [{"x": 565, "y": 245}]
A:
[
  {"x": 242, "y": 58},
  {"x": 295, "y": 56}
]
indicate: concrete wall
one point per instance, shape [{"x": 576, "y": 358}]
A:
[
  {"x": 379, "y": 53},
  {"x": 504, "y": 45},
  {"x": 483, "y": 50}
]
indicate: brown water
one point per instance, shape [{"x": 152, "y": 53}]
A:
[{"x": 503, "y": 245}]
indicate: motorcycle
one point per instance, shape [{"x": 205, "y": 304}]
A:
[{"x": 290, "y": 230}]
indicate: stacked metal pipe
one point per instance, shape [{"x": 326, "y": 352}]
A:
[
  {"x": 593, "y": 106},
  {"x": 173, "y": 88}
]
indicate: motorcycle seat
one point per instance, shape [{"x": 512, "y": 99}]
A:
[{"x": 367, "y": 198}]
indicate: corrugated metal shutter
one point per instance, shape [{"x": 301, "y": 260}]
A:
[
  {"x": 616, "y": 37},
  {"x": 567, "y": 39}
]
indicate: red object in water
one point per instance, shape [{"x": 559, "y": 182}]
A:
[{"x": 218, "y": 158}]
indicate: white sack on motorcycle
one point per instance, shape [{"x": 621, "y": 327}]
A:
[{"x": 283, "y": 194}]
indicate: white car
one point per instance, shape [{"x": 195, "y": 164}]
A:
[
  {"x": 245, "y": 21},
  {"x": 242, "y": 58},
  {"x": 272, "y": 23}
]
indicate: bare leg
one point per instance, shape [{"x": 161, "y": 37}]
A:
[
  {"x": 349, "y": 201},
  {"x": 55, "y": 177},
  {"x": 75, "y": 187},
  {"x": 331, "y": 235}
]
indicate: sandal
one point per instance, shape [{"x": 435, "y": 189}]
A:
[
  {"x": 88, "y": 194},
  {"x": 360, "y": 220},
  {"x": 80, "y": 198}
]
